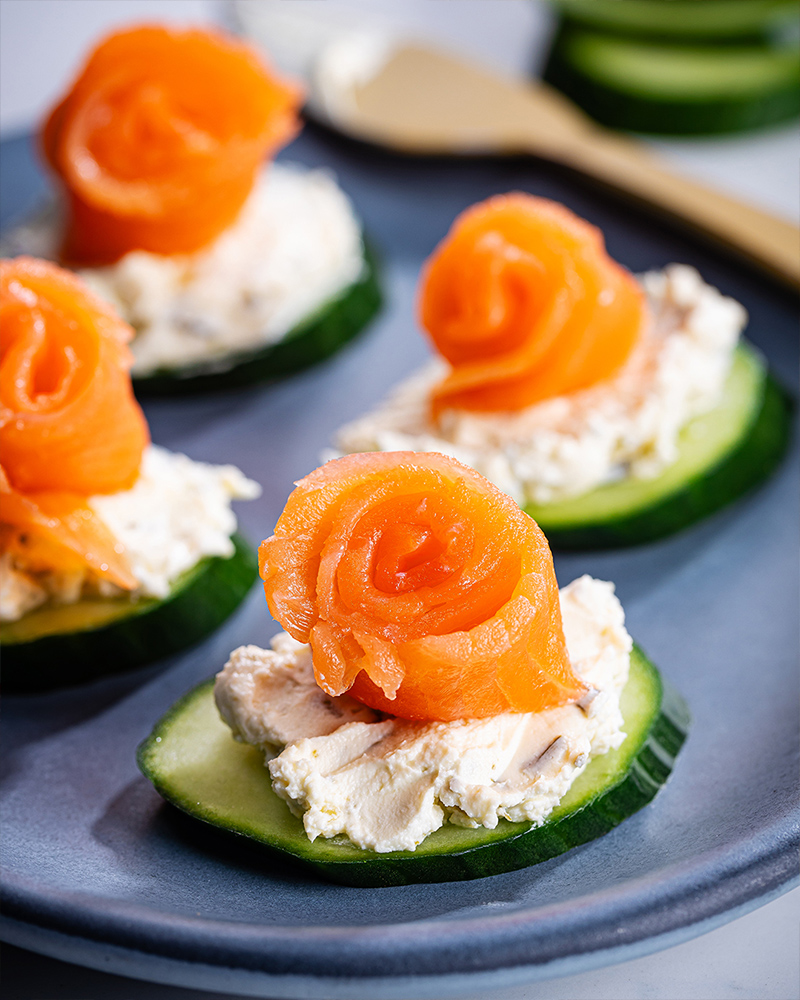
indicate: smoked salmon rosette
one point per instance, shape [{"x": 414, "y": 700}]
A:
[
  {"x": 615, "y": 409},
  {"x": 106, "y": 542},
  {"x": 525, "y": 304},
  {"x": 64, "y": 369},
  {"x": 159, "y": 139},
  {"x": 422, "y": 589}
]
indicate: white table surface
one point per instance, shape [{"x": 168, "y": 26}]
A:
[{"x": 756, "y": 957}]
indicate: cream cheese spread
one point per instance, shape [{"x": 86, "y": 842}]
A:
[
  {"x": 177, "y": 512},
  {"x": 19, "y": 591},
  {"x": 295, "y": 246},
  {"x": 563, "y": 447},
  {"x": 387, "y": 783}
]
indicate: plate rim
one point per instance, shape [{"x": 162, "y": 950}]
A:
[
  {"x": 168, "y": 971},
  {"x": 707, "y": 887}
]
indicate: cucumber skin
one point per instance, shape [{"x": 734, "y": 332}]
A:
[
  {"x": 311, "y": 341},
  {"x": 680, "y": 20},
  {"x": 623, "y": 110},
  {"x": 178, "y": 621},
  {"x": 649, "y": 770},
  {"x": 743, "y": 468}
]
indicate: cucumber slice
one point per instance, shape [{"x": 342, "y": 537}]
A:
[
  {"x": 675, "y": 90},
  {"x": 722, "y": 454},
  {"x": 315, "y": 338},
  {"x": 194, "y": 762},
  {"x": 55, "y": 646},
  {"x": 687, "y": 20}
]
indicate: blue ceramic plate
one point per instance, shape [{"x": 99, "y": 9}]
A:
[{"x": 99, "y": 871}]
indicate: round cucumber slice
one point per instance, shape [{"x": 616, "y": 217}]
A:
[
  {"x": 722, "y": 454},
  {"x": 56, "y": 646},
  {"x": 316, "y": 338},
  {"x": 195, "y": 763},
  {"x": 675, "y": 90},
  {"x": 687, "y": 20}
]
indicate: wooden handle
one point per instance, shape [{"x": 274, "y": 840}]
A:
[
  {"x": 627, "y": 166},
  {"x": 426, "y": 101}
]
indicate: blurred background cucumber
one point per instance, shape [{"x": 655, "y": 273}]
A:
[{"x": 679, "y": 67}]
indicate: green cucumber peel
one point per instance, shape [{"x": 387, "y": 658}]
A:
[{"x": 682, "y": 20}]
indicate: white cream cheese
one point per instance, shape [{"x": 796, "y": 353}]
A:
[
  {"x": 19, "y": 592},
  {"x": 387, "y": 783},
  {"x": 177, "y": 512},
  {"x": 296, "y": 245},
  {"x": 563, "y": 447}
]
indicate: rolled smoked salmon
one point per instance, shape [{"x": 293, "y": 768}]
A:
[
  {"x": 70, "y": 425},
  {"x": 423, "y": 590},
  {"x": 56, "y": 531},
  {"x": 159, "y": 140},
  {"x": 525, "y": 304}
]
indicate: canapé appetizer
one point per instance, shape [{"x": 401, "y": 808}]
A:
[
  {"x": 113, "y": 552},
  {"x": 615, "y": 410},
  {"x": 436, "y": 708},
  {"x": 229, "y": 271}
]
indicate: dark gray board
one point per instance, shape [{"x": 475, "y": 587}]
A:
[{"x": 95, "y": 867}]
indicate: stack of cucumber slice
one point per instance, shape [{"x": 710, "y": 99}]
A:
[{"x": 679, "y": 67}]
